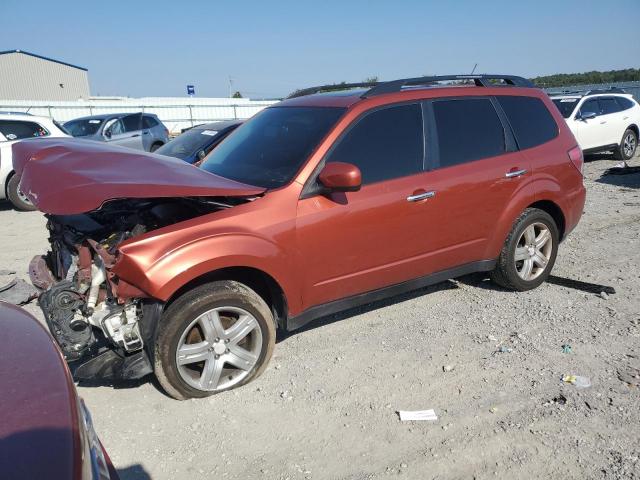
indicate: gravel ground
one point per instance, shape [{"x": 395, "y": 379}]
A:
[{"x": 326, "y": 407}]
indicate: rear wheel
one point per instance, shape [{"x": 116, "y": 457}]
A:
[
  {"x": 628, "y": 145},
  {"x": 214, "y": 338},
  {"x": 529, "y": 252},
  {"x": 19, "y": 200}
]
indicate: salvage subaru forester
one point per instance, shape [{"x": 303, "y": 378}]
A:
[{"x": 319, "y": 203}]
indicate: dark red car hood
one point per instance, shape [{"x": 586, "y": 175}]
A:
[{"x": 67, "y": 176}]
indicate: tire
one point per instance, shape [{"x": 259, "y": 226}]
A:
[
  {"x": 628, "y": 145},
  {"x": 154, "y": 147},
  {"x": 510, "y": 272},
  {"x": 17, "y": 199},
  {"x": 199, "y": 326}
]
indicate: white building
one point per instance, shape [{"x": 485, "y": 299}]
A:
[{"x": 27, "y": 76}]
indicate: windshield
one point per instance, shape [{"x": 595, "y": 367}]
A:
[
  {"x": 189, "y": 143},
  {"x": 83, "y": 127},
  {"x": 566, "y": 105},
  {"x": 270, "y": 148}
]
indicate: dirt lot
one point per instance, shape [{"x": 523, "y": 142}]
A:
[{"x": 326, "y": 407}]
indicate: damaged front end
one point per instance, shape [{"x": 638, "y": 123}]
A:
[{"x": 105, "y": 326}]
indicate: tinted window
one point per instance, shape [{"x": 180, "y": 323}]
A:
[
  {"x": 467, "y": 130},
  {"x": 83, "y": 127},
  {"x": 530, "y": 120},
  {"x": 132, "y": 122},
  {"x": 116, "y": 127},
  {"x": 385, "y": 144},
  {"x": 624, "y": 103},
  {"x": 609, "y": 105},
  {"x": 566, "y": 105},
  {"x": 269, "y": 149},
  {"x": 149, "y": 122},
  {"x": 15, "y": 130},
  {"x": 590, "y": 106}
]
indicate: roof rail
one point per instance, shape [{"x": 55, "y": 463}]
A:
[
  {"x": 479, "y": 80},
  {"x": 331, "y": 88},
  {"x": 586, "y": 93}
]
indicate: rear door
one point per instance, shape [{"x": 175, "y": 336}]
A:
[
  {"x": 612, "y": 120},
  {"x": 475, "y": 169},
  {"x": 354, "y": 242}
]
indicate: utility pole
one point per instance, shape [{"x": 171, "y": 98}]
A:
[
  {"x": 474, "y": 69},
  {"x": 230, "y": 85}
]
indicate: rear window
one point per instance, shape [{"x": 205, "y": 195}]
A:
[
  {"x": 530, "y": 120},
  {"x": 467, "y": 130},
  {"x": 565, "y": 105},
  {"x": 16, "y": 130}
]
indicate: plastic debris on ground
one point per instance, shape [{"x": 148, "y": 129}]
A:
[
  {"x": 577, "y": 381},
  {"x": 417, "y": 415},
  {"x": 15, "y": 290},
  {"x": 566, "y": 348}
]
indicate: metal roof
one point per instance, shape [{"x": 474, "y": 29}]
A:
[{"x": 44, "y": 58}]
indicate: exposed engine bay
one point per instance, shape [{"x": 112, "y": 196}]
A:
[{"x": 101, "y": 323}]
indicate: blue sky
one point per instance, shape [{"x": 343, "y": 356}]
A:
[{"x": 269, "y": 48}]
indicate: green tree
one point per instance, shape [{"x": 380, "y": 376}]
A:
[{"x": 236, "y": 95}]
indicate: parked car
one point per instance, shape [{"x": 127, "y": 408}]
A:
[
  {"x": 45, "y": 428},
  {"x": 602, "y": 120},
  {"x": 316, "y": 204},
  {"x": 196, "y": 143},
  {"x": 142, "y": 131},
  {"x": 15, "y": 126}
]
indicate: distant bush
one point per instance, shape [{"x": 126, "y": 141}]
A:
[{"x": 587, "y": 78}]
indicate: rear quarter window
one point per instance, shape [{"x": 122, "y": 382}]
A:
[
  {"x": 624, "y": 103},
  {"x": 530, "y": 120}
]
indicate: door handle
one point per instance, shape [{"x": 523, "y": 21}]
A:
[
  {"x": 145, "y": 133},
  {"x": 416, "y": 197},
  {"x": 602, "y": 123},
  {"x": 515, "y": 173},
  {"x": 135, "y": 135}
]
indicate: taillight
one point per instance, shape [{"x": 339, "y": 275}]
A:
[{"x": 576, "y": 157}]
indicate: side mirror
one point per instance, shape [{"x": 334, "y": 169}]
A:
[
  {"x": 341, "y": 177},
  {"x": 107, "y": 133},
  {"x": 587, "y": 115},
  {"x": 201, "y": 154}
]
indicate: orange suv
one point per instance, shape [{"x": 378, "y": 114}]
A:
[{"x": 319, "y": 203}]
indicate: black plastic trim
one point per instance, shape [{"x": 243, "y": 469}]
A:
[{"x": 293, "y": 323}]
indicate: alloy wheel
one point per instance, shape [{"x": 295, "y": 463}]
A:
[
  {"x": 219, "y": 349},
  {"x": 533, "y": 251},
  {"x": 629, "y": 145}
]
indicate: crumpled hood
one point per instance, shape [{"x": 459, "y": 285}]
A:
[{"x": 65, "y": 176}]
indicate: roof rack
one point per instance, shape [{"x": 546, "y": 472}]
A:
[
  {"x": 331, "y": 88},
  {"x": 586, "y": 93},
  {"x": 379, "y": 88},
  {"x": 479, "y": 80}
]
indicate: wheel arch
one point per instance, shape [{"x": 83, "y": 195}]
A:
[
  {"x": 6, "y": 183},
  {"x": 556, "y": 213},
  {"x": 634, "y": 127},
  {"x": 258, "y": 280}
]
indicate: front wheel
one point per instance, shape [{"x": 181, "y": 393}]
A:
[
  {"x": 19, "y": 200},
  {"x": 214, "y": 338},
  {"x": 529, "y": 251}
]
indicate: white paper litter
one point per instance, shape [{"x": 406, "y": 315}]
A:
[{"x": 406, "y": 416}]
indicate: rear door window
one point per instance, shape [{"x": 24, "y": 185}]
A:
[
  {"x": 385, "y": 144},
  {"x": 16, "y": 130},
  {"x": 467, "y": 129},
  {"x": 530, "y": 120},
  {"x": 624, "y": 103},
  {"x": 590, "y": 106},
  {"x": 609, "y": 105},
  {"x": 132, "y": 123},
  {"x": 148, "y": 122}
]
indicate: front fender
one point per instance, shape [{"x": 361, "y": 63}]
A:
[{"x": 161, "y": 277}]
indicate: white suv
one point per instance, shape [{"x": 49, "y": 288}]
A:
[
  {"x": 13, "y": 128},
  {"x": 602, "y": 120}
]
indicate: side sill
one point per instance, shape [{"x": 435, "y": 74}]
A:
[{"x": 293, "y": 323}]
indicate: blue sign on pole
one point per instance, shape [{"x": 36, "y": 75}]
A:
[{"x": 191, "y": 90}]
